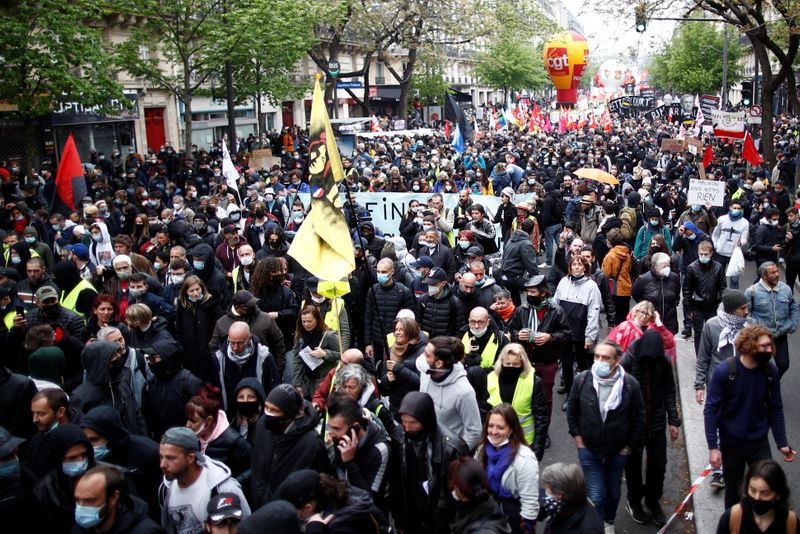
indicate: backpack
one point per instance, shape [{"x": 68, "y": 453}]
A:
[
  {"x": 735, "y": 520},
  {"x": 628, "y": 228},
  {"x": 733, "y": 370}
]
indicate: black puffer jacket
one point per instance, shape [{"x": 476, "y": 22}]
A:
[
  {"x": 441, "y": 317},
  {"x": 166, "y": 395},
  {"x": 552, "y": 210},
  {"x": 767, "y": 236},
  {"x": 663, "y": 293},
  {"x": 194, "y": 326},
  {"x": 519, "y": 258},
  {"x": 101, "y": 388},
  {"x": 231, "y": 449},
  {"x": 554, "y": 323},
  {"x": 382, "y": 306},
  {"x": 703, "y": 286},
  {"x": 406, "y": 375},
  {"x": 645, "y": 361},
  {"x": 624, "y": 425}
]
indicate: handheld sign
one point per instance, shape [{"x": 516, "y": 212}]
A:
[{"x": 704, "y": 192}]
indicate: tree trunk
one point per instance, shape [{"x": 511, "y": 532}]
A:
[
  {"x": 29, "y": 163},
  {"x": 187, "y": 119},
  {"x": 365, "y": 103},
  {"x": 405, "y": 83},
  {"x": 791, "y": 88},
  {"x": 260, "y": 123},
  {"x": 767, "y": 101}
]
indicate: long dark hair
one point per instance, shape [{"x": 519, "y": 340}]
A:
[
  {"x": 310, "y": 309},
  {"x": 517, "y": 437},
  {"x": 771, "y": 473},
  {"x": 469, "y": 476}
]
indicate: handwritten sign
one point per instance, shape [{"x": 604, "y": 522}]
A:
[
  {"x": 672, "y": 145},
  {"x": 706, "y": 192}
]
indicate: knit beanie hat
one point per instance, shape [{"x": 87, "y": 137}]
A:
[
  {"x": 287, "y": 399},
  {"x": 732, "y": 300},
  {"x": 47, "y": 363}
]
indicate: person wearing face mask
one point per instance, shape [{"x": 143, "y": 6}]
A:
[
  {"x": 511, "y": 467},
  {"x": 49, "y": 311},
  {"x": 769, "y": 238},
  {"x": 653, "y": 226},
  {"x": 218, "y": 439},
  {"x": 332, "y": 310},
  {"x": 662, "y": 287},
  {"x": 227, "y": 251},
  {"x": 772, "y": 304},
  {"x": 136, "y": 455},
  {"x": 101, "y": 251},
  {"x": 482, "y": 342},
  {"x": 286, "y": 441},
  {"x": 383, "y": 301},
  {"x": 764, "y": 505},
  {"x": 731, "y": 231},
  {"x": 439, "y": 312},
  {"x": 519, "y": 260},
  {"x": 743, "y": 404},
  {"x": 701, "y": 216},
  {"x": 204, "y": 266},
  {"x": 50, "y": 409},
  {"x": 298, "y": 215},
  {"x": 703, "y": 286},
  {"x": 31, "y": 238},
  {"x": 420, "y": 269},
  {"x": 375, "y": 243},
  {"x": 71, "y": 455},
  {"x": 476, "y": 507},
  {"x": 16, "y": 485},
  {"x": 606, "y": 418},
  {"x": 564, "y": 503},
  {"x": 250, "y": 399}
]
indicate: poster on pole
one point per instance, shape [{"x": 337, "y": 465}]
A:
[
  {"x": 673, "y": 146},
  {"x": 711, "y": 192}
]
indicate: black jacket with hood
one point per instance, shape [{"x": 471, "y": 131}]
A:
[
  {"x": 369, "y": 469},
  {"x": 137, "y": 454},
  {"x": 100, "y": 388},
  {"x": 276, "y": 455},
  {"x": 167, "y": 392},
  {"x": 131, "y": 518},
  {"x": 519, "y": 256},
  {"x": 355, "y": 517},
  {"x": 413, "y": 508},
  {"x": 645, "y": 361},
  {"x": 250, "y": 432},
  {"x": 277, "y": 517},
  {"x": 16, "y": 392},
  {"x": 663, "y": 293},
  {"x": 157, "y": 334},
  {"x": 214, "y": 279},
  {"x": 194, "y": 326},
  {"x": 55, "y": 503}
]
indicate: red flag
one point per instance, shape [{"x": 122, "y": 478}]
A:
[
  {"x": 708, "y": 156},
  {"x": 447, "y": 129},
  {"x": 749, "y": 152},
  {"x": 70, "y": 183}
]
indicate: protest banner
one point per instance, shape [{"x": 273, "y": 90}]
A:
[
  {"x": 695, "y": 147},
  {"x": 704, "y": 192},
  {"x": 673, "y": 146},
  {"x": 709, "y": 104},
  {"x": 728, "y": 124}
]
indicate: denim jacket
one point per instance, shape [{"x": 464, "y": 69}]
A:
[{"x": 775, "y": 308}]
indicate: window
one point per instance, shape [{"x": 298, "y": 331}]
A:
[{"x": 144, "y": 52}]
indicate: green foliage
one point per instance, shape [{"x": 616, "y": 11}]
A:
[
  {"x": 692, "y": 61},
  {"x": 428, "y": 82},
  {"x": 49, "y": 53},
  {"x": 510, "y": 65}
]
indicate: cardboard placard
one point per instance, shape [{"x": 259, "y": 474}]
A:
[
  {"x": 263, "y": 159},
  {"x": 672, "y": 145},
  {"x": 704, "y": 192}
]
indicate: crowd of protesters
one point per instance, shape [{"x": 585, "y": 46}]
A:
[{"x": 169, "y": 367}]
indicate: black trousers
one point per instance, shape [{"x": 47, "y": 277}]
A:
[
  {"x": 737, "y": 457},
  {"x": 652, "y": 488},
  {"x": 574, "y": 353},
  {"x": 782, "y": 354},
  {"x": 621, "y": 306},
  {"x": 699, "y": 318}
]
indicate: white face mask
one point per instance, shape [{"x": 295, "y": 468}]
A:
[
  {"x": 319, "y": 300},
  {"x": 496, "y": 442},
  {"x": 454, "y": 493},
  {"x": 246, "y": 260},
  {"x": 664, "y": 273},
  {"x": 478, "y": 332}
]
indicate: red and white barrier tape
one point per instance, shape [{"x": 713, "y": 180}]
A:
[{"x": 699, "y": 480}]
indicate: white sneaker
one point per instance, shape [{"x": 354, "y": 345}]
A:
[
  {"x": 609, "y": 528},
  {"x": 542, "y": 265}
]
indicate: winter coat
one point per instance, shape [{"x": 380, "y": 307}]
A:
[
  {"x": 193, "y": 329},
  {"x": 442, "y": 256},
  {"x": 100, "y": 388},
  {"x": 552, "y": 209},
  {"x": 581, "y": 518},
  {"x": 454, "y": 398},
  {"x": 645, "y": 235},
  {"x": 164, "y": 400},
  {"x": 131, "y": 518},
  {"x": 521, "y": 479},
  {"x": 765, "y": 238},
  {"x": 231, "y": 449},
  {"x": 617, "y": 266},
  {"x": 581, "y": 302},
  {"x": 484, "y": 517},
  {"x": 383, "y": 303},
  {"x": 627, "y": 332},
  {"x": 17, "y": 504},
  {"x": 519, "y": 258},
  {"x": 663, "y": 293},
  {"x": 624, "y": 426},
  {"x": 156, "y": 335},
  {"x": 227, "y": 374},
  {"x": 703, "y": 285},
  {"x": 214, "y": 279},
  {"x": 369, "y": 468},
  {"x": 776, "y": 309},
  {"x": 645, "y": 360},
  {"x": 282, "y": 300},
  {"x": 277, "y": 517},
  {"x": 16, "y": 392},
  {"x": 727, "y": 233},
  {"x": 261, "y": 326},
  {"x": 406, "y": 375},
  {"x": 302, "y": 375},
  {"x": 441, "y": 316},
  {"x": 554, "y": 323},
  {"x": 355, "y": 517}
]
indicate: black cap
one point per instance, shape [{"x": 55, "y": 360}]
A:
[
  {"x": 224, "y": 506},
  {"x": 436, "y": 276},
  {"x": 244, "y": 298},
  {"x": 8, "y": 442},
  {"x": 475, "y": 251}
]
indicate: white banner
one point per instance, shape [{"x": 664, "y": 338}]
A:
[{"x": 706, "y": 192}]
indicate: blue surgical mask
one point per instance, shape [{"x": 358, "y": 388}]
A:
[
  {"x": 433, "y": 290},
  {"x": 101, "y": 451},
  {"x": 383, "y": 278},
  {"x": 691, "y": 237},
  {"x": 418, "y": 275},
  {"x": 704, "y": 259},
  {"x": 156, "y": 265},
  {"x": 9, "y": 468},
  {"x": 601, "y": 369},
  {"x": 75, "y": 469},
  {"x": 695, "y": 207},
  {"x": 16, "y": 260},
  {"x": 30, "y": 240},
  {"x": 735, "y": 214},
  {"x": 654, "y": 222},
  {"x": 88, "y": 516},
  {"x": 480, "y": 282},
  {"x": 198, "y": 265}
]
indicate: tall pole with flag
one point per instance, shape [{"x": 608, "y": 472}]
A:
[
  {"x": 323, "y": 245},
  {"x": 229, "y": 171},
  {"x": 70, "y": 182}
]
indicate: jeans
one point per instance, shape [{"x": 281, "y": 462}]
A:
[
  {"x": 734, "y": 459},
  {"x": 651, "y": 489},
  {"x": 603, "y": 481},
  {"x": 782, "y": 354},
  {"x": 733, "y": 281},
  {"x": 551, "y": 241}
]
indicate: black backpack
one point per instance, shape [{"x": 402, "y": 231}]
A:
[{"x": 733, "y": 370}]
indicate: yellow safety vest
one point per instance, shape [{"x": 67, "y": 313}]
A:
[
  {"x": 71, "y": 300},
  {"x": 522, "y": 401},
  {"x": 332, "y": 317},
  {"x": 8, "y": 320},
  {"x": 489, "y": 353}
]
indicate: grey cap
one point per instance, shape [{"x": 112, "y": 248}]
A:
[
  {"x": 183, "y": 437},
  {"x": 8, "y": 442},
  {"x": 535, "y": 281}
]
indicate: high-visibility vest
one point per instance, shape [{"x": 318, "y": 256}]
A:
[
  {"x": 235, "y": 278},
  {"x": 8, "y": 320},
  {"x": 489, "y": 351},
  {"x": 522, "y": 401},
  {"x": 71, "y": 300}
]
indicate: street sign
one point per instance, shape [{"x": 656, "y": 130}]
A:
[
  {"x": 349, "y": 85},
  {"x": 334, "y": 67},
  {"x": 754, "y": 114}
]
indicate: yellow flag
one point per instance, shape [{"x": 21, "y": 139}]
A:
[{"x": 323, "y": 244}]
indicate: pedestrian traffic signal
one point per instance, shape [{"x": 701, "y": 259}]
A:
[
  {"x": 747, "y": 93},
  {"x": 641, "y": 17}
]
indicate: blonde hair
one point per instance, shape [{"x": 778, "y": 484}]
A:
[
  {"x": 514, "y": 349},
  {"x": 139, "y": 314},
  {"x": 645, "y": 306}
]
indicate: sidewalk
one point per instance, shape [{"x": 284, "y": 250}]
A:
[{"x": 708, "y": 503}]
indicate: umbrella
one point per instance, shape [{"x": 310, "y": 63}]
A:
[{"x": 597, "y": 175}]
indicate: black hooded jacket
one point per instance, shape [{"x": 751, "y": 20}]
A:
[
  {"x": 17, "y": 505},
  {"x": 277, "y": 517},
  {"x": 16, "y": 392},
  {"x": 276, "y": 455},
  {"x": 55, "y": 503},
  {"x": 66, "y": 276},
  {"x": 101, "y": 388},
  {"x": 166, "y": 394},
  {"x": 250, "y": 382},
  {"x": 645, "y": 361},
  {"x": 355, "y": 517},
  {"x": 194, "y": 327},
  {"x": 214, "y": 279},
  {"x": 137, "y": 454},
  {"x": 131, "y": 518},
  {"x": 414, "y": 509}
]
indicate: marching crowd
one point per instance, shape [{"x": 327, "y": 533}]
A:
[{"x": 168, "y": 367}]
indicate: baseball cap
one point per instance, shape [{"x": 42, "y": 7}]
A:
[
  {"x": 80, "y": 250},
  {"x": 224, "y": 506},
  {"x": 8, "y": 442},
  {"x": 423, "y": 261},
  {"x": 475, "y": 251},
  {"x": 535, "y": 281},
  {"x": 183, "y": 437},
  {"x": 300, "y": 487},
  {"x": 436, "y": 276},
  {"x": 46, "y": 292},
  {"x": 244, "y": 298}
]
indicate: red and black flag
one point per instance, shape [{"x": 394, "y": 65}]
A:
[{"x": 70, "y": 182}]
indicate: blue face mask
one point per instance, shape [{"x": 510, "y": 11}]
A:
[
  {"x": 198, "y": 265},
  {"x": 735, "y": 214},
  {"x": 383, "y": 278},
  {"x": 601, "y": 369},
  {"x": 156, "y": 265},
  {"x": 9, "y": 468},
  {"x": 480, "y": 282},
  {"x": 704, "y": 259},
  {"x": 30, "y": 240},
  {"x": 653, "y": 222},
  {"x": 101, "y": 451},
  {"x": 88, "y": 516},
  {"x": 695, "y": 207},
  {"x": 75, "y": 469},
  {"x": 418, "y": 275},
  {"x": 16, "y": 260}
]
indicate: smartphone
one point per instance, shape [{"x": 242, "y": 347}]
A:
[
  {"x": 355, "y": 427},
  {"x": 21, "y": 311}
]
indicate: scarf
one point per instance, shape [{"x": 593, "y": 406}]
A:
[
  {"x": 534, "y": 326},
  {"x": 497, "y": 461},
  {"x": 615, "y": 398},
  {"x": 240, "y": 359},
  {"x": 506, "y": 313},
  {"x": 731, "y": 325},
  {"x": 312, "y": 339}
]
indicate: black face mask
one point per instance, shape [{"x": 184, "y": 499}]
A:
[
  {"x": 273, "y": 423},
  {"x": 760, "y": 507},
  {"x": 51, "y": 310},
  {"x": 247, "y": 408},
  {"x": 115, "y": 366},
  {"x": 510, "y": 374},
  {"x": 162, "y": 370},
  {"x": 275, "y": 245},
  {"x": 260, "y": 212},
  {"x": 762, "y": 358},
  {"x": 535, "y": 301}
]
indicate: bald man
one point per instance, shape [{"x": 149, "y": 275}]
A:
[
  {"x": 240, "y": 356},
  {"x": 482, "y": 344},
  {"x": 240, "y": 276}
]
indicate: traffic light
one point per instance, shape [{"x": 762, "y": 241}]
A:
[
  {"x": 641, "y": 17},
  {"x": 747, "y": 93}
]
